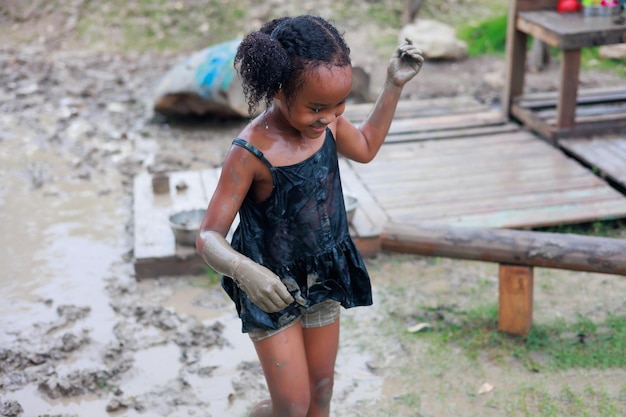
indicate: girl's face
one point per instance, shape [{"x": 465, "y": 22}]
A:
[{"x": 320, "y": 101}]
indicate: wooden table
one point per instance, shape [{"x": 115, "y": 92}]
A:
[{"x": 569, "y": 32}]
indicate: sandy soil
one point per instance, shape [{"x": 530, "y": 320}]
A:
[{"x": 81, "y": 337}]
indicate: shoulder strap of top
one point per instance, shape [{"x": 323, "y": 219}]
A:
[{"x": 246, "y": 145}]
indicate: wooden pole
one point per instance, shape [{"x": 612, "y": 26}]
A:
[
  {"x": 515, "y": 247},
  {"x": 515, "y": 299}
]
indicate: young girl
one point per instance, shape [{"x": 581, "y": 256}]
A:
[{"x": 292, "y": 262}]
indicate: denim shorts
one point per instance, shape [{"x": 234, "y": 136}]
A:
[{"x": 319, "y": 315}]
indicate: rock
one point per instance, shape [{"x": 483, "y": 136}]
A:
[
  {"x": 617, "y": 51},
  {"x": 437, "y": 40}
]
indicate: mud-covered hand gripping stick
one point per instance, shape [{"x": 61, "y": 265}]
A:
[{"x": 263, "y": 287}]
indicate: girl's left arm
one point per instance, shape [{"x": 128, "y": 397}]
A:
[{"x": 362, "y": 144}]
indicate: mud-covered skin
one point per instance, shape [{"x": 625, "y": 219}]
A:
[{"x": 261, "y": 285}]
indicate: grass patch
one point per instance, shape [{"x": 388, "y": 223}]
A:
[
  {"x": 487, "y": 37},
  {"x": 590, "y": 59},
  {"x": 559, "y": 345},
  {"x": 600, "y": 228},
  {"x": 544, "y": 402},
  {"x": 213, "y": 277}
]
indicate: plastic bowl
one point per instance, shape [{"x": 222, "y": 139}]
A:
[{"x": 185, "y": 225}]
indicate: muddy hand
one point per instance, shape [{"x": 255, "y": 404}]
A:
[
  {"x": 263, "y": 287},
  {"x": 405, "y": 63}
]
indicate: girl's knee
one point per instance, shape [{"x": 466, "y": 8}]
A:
[{"x": 323, "y": 392}]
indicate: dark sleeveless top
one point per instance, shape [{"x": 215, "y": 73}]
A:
[{"x": 300, "y": 232}]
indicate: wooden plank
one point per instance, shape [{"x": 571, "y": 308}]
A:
[
  {"x": 532, "y": 217},
  {"x": 420, "y": 108},
  {"x": 569, "y": 31},
  {"x": 502, "y": 154},
  {"x": 463, "y": 132},
  {"x": 490, "y": 162},
  {"x": 600, "y": 109},
  {"x": 426, "y": 194},
  {"x": 515, "y": 299},
  {"x": 595, "y": 119},
  {"x": 466, "y": 157},
  {"x": 409, "y": 180},
  {"x": 435, "y": 147},
  {"x": 608, "y": 155},
  {"x": 446, "y": 122},
  {"x": 585, "y": 96},
  {"x": 418, "y": 111},
  {"x": 501, "y": 203},
  {"x": 520, "y": 172},
  {"x": 604, "y": 157},
  {"x": 532, "y": 122},
  {"x": 369, "y": 217}
]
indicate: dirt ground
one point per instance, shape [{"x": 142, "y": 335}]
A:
[{"x": 81, "y": 337}]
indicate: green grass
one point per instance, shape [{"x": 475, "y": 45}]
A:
[
  {"x": 214, "y": 277},
  {"x": 601, "y": 228},
  {"x": 560, "y": 345},
  {"x": 590, "y": 59},
  {"x": 539, "y": 401},
  {"x": 543, "y": 360},
  {"x": 487, "y": 37}
]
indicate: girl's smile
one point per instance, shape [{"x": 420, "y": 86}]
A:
[{"x": 320, "y": 101}]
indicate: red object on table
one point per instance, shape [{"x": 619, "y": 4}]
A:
[{"x": 565, "y": 6}]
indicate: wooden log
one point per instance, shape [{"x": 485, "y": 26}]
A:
[
  {"x": 515, "y": 247},
  {"x": 515, "y": 299}
]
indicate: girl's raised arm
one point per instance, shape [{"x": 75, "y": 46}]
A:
[{"x": 362, "y": 144}]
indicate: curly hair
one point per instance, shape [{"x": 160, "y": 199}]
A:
[{"x": 278, "y": 56}]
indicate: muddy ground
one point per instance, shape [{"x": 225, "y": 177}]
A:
[{"x": 79, "y": 336}]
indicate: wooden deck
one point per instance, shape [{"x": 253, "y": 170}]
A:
[
  {"x": 490, "y": 174},
  {"x": 447, "y": 161},
  {"x": 597, "y": 110},
  {"x": 606, "y": 155}
]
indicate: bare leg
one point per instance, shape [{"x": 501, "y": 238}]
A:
[
  {"x": 299, "y": 367},
  {"x": 321, "y": 345},
  {"x": 284, "y": 363}
]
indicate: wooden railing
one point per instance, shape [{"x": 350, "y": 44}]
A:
[{"x": 517, "y": 252}]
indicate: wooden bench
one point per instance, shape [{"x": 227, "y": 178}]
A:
[
  {"x": 517, "y": 252},
  {"x": 569, "y": 32}
]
